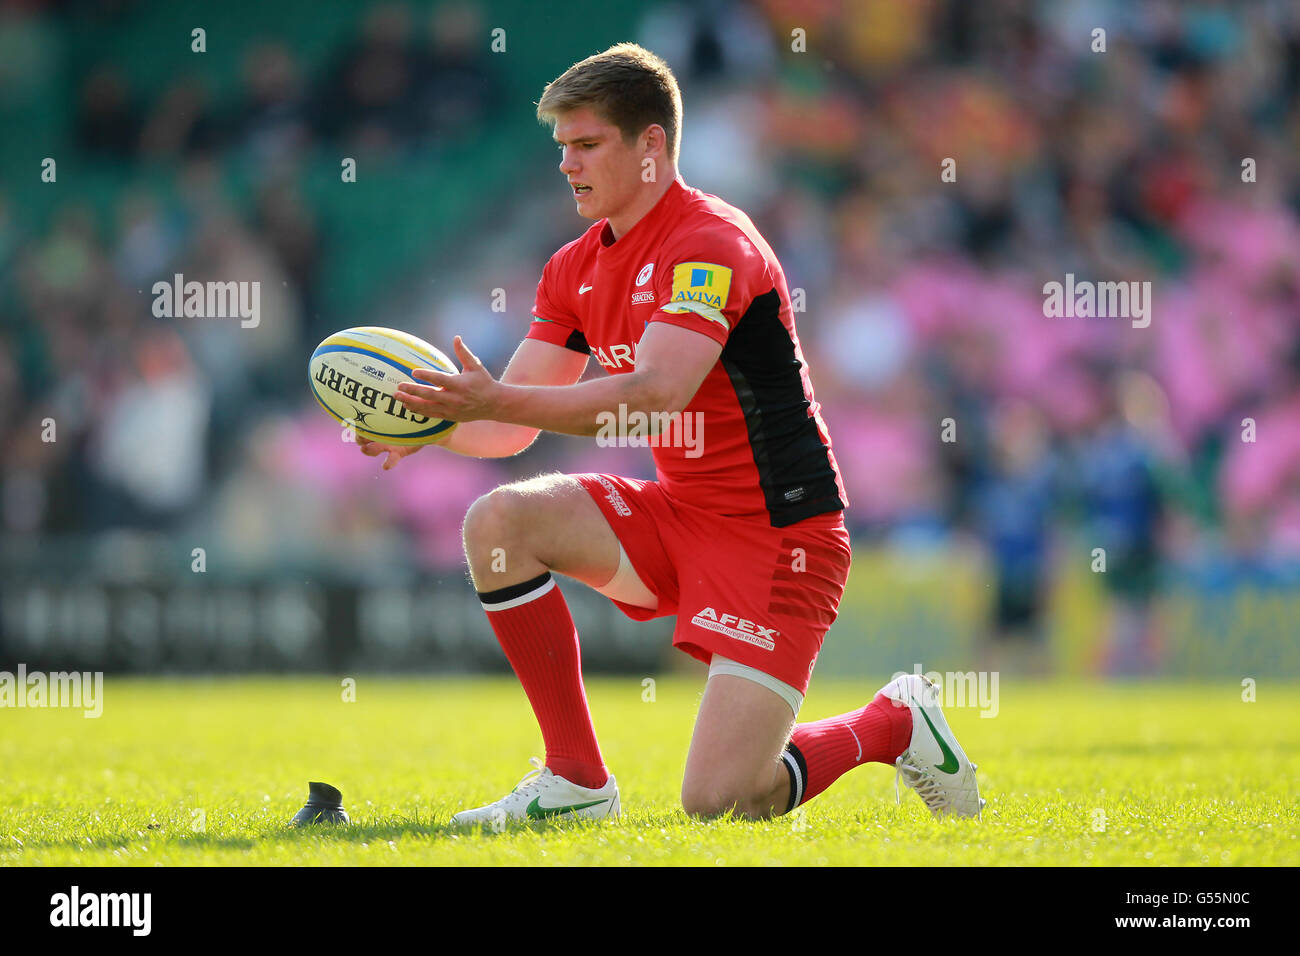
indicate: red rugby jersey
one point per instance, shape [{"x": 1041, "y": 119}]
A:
[{"x": 697, "y": 262}]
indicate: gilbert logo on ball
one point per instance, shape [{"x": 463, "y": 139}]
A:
[{"x": 354, "y": 375}]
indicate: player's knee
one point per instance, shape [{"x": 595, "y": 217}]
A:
[
  {"x": 493, "y": 521},
  {"x": 713, "y": 798},
  {"x": 516, "y": 516}
]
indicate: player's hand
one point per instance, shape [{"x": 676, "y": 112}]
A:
[
  {"x": 467, "y": 396},
  {"x": 395, "y": 453}
]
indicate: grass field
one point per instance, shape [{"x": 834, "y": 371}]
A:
[{"x": 208, "y": 772}]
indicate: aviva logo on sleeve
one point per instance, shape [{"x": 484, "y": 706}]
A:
[{"x": 702, "y": 288}]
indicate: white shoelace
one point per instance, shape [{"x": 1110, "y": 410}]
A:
[
  {"x": 925, "y": 784},
  {"x": 533, "y": 779}
]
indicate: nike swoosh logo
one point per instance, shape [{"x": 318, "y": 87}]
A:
[
  {"x": 537, "y": 811},
  {"x": 950, "y": 763},
  {"x": 856, "y": 741},
  {"x": 584, "y": 289}
]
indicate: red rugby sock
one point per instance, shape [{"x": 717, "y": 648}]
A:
[
  {"x": 819, "y": 753},
  {"x": 532, "y": 622}
]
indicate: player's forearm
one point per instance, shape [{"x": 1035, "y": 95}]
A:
[
  {"x": 487, "y": 439},
  {"x": 580, "y": 409}
]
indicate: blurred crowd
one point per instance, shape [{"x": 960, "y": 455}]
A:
[
  {"x": 152, "y": 416},
  {"x": 1162, "y": 152},
  {"x": 393, "y": 84}
]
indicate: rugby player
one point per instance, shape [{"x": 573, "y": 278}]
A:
[{"x": 742, "y": 536}]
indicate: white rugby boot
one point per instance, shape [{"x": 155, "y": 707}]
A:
[
  {"x": 934, "y": 765},
  {"x": 541, "y": 795}
]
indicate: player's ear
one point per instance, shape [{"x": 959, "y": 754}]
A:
[{"x": 654, "y": 139}]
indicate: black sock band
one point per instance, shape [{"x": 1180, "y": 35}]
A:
[
  {"x": 798, "y": 770},
  {"x": 512, "y": 591}
]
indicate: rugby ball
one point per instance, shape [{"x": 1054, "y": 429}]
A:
[{"x": 354, "y": 375}]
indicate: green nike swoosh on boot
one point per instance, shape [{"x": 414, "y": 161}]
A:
[
  {"x": 537, "y": 811},
  {"x": 950, "y": 763}
]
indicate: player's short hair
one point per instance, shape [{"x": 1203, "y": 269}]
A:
[{"x": 627, "y": 85}]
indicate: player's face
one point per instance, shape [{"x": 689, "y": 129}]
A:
[{"x": 603, "y": 171}]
